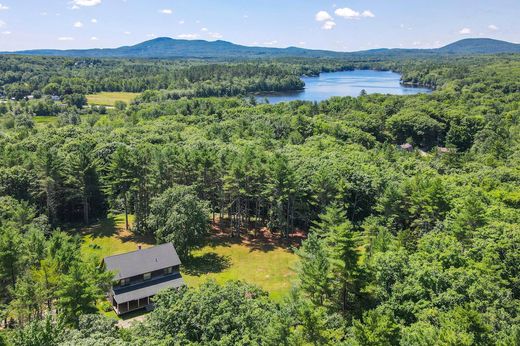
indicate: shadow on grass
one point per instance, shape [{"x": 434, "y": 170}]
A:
[
  {"x": 261, "y": 239},
  {"x": 113, "y": 226},
  {"x": 205, "y": 264},
  {"x": 133, "y": 314}
]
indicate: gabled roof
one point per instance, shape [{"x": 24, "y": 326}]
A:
[{"x": 142, "y": 261}]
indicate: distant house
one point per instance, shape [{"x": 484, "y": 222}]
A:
[
  {"x": 55, "y": 98},
  {"x": 406, "y": 147},
  {"x": 443, "y": 150},
  {"x": 140, "y": 274}
]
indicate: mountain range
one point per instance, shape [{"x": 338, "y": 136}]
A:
[{"x": 169, "y": 48}]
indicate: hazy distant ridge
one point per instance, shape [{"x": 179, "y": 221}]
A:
[{"x": 165, "y": 47}]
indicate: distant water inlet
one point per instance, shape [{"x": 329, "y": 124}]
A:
[{"x": 346, "y": 83}]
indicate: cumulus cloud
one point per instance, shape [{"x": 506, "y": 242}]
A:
[
  {"x": 328, "y": 25},
  {"x": 465, "y": 31},
  {"x": 6, "y": 33},
  {"x": 204, "y": 29},
  {"x": 85, "y": 3},
  {"x": 78, "y": 24},
  {"x": 188, "y": 36},
  {"x": 493, "y": 27},
  {"x": 65, "y": 38},
  {"x": 367, "y": 14},
  {"x": 349, "y": 13},
  {"x": 93, "y": 20},
  {"x": 323, "y": 16},
  {"x": 3, "y": 7},
  {"x": 93, "y": 38},
  {"x": 166, "y": 11},
  {"x": 181, "y": 22}
]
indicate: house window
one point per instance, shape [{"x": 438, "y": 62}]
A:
[
  {"x": 147, "y": 276},
  {"x": 168, "y": 270},
  {"x": 124, "y": 282}
]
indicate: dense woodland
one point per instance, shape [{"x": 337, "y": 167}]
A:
[{"x": 404, "y": 247}]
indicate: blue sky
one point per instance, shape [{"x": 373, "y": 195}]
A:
[{"x": 337, "y": 25}]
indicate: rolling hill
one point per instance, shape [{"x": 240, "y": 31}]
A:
[{"x": 169, "y": 48}]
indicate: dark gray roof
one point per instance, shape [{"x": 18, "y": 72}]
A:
[
  {"x": 142, "y": 261},
  {"x": 147, "y": 288}
]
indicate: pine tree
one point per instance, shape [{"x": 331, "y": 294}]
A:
[{"x": 314, "y": 269}]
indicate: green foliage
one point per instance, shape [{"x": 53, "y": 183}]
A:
[
  {"x": 232, "y": 314},
  {"x": 403, "y": 247},
  {"x": 178, "y": 216}
]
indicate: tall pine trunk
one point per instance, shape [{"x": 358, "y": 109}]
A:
[{"x": 126, "y": 211}]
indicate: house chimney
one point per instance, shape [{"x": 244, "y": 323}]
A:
[{"x": 138, "y": 247}]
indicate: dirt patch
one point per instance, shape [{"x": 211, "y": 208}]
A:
[{"x": 262, "y": 240}]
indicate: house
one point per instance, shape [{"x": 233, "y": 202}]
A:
[
  {"x": 443, "y": 150},
  {"x": 406, "y": 147},
  {"x": 140, "y": 274},
  {"x": 55, "y": 98}
]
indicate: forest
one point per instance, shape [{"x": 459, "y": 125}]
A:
[{"x": 403, "y": 247}]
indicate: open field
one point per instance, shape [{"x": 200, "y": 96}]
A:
[
  {"x": 264, "y": 261},
  {"x": 110, "y": 98}
]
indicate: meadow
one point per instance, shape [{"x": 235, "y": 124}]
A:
[
  {"x": 110, "y": 98},
  {"x": 262, "y": 262}
]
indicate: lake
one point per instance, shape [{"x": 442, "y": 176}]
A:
[{"x": 346, "y": 83}]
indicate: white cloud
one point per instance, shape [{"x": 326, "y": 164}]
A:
[
  {"x": 93, "y": 20},
  {"x": 188, "y": 36},
  {"x": 181, "y": 22},
  {"x": 2, "y": 23},
  {"x": 367, "y": 14},
  {"x": 93, "y": 38},
  {"x": 86, "y": 3},
  {"x": 6, "y": 33},
  {"x": 204, "y": 29},
  {"x": 215, "y": 35},
  {"x": 166, "y": 11},
  {"x": 465, "y": 31},
  {"x": 66, "y": 38},
  {"x": 3, "y": 7},
  {"x": 78, "y": 25},
  {"x": 328, "y": 25},
  {"x": 349, "y": 13},
  {"x": 493, "y": 27},
  {"x": 323, "y": 16},
  {"x": 127, "y": 32},
  {"x": 270, "y": 43}
]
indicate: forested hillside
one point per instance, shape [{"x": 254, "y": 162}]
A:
[{"x": 403, "y": 247}]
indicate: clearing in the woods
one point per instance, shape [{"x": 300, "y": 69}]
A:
[
  {"x": 264, "y": 260},
  {"x": 110, "y": 98}
]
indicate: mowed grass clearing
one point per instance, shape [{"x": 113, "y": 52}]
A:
[
  {"x": 266, "y": 264},
  {"x": 269, "y": 267},
  {"x": 110, "y": 98}
]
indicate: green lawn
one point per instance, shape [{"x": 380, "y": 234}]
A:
[
  {"x": 110, "y": 98},
  {"x": 265, "y": 264},
  {"x": 270, "y": 267},
  {"x": 39, "y": 120},
  {"x": 110, "y": 238}
]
